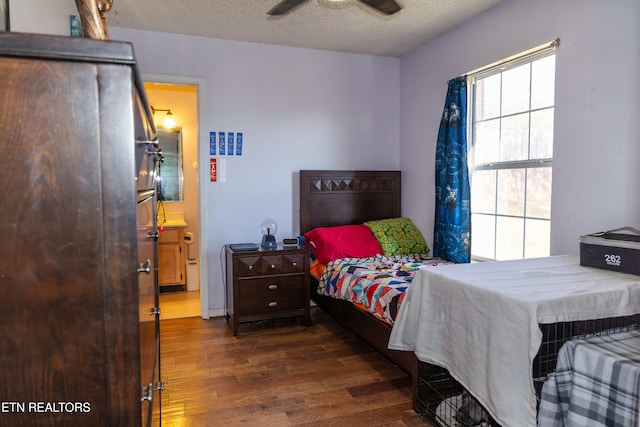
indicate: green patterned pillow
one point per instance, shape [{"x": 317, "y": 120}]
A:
[{"x": 398, "y": 236}]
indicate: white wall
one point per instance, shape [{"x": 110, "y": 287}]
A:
[
  {"x": 298, "y": 109},
  {"x": 596, "y": 173},
  {"x": 42, "y": 16},
  {"x": 304, "y": 109}
]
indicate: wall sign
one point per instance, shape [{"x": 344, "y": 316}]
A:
[
  {"x": 230, "y": 143},
  {"x": 226, "y": 143},
  {"x": 213, "y": 170},
  {"x": 221, "y": 144},
  {"x": 239, "y": 143},
  {"x": 212, "y": 143}
]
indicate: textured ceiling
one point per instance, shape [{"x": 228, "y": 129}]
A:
[{"x": 347, "y": 27}]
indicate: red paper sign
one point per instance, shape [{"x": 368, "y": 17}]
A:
[{"x": 213, "y": 170}]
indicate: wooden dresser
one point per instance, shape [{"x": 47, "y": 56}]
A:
[
  {"x": 267, "y": 284},
  {"x": 79, "y": 329}
]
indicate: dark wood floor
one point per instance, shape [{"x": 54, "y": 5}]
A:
[{"x": 278, "y": 373}]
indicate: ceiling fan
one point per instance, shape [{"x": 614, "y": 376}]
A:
[{"x": 388, "y": 7}]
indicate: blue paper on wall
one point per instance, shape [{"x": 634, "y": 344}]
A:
[
  {"x": 212, "y": 143},
  {"x": 75, "y": 26},
  {"x": 230, "y": 143},
  {"x": 221, "y": 143},
  {"x": 239, "y": 143}
]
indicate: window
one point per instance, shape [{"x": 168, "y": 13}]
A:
[{"x": 511, "y": 157}]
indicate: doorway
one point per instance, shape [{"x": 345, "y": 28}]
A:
[{"x": 179, "y": 98}]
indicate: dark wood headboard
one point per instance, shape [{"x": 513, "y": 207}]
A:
[{"x": 329, "y": 198}]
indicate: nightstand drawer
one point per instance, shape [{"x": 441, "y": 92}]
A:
[
  {"x": 280, "y": 264},
  {"x": 266, "y": 296},
  {"x": 249, "y": 266}
]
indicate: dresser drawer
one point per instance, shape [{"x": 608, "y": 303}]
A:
[
  {"x": 266, "y": 295},
  {"x": 281, "y": 264},
  {"x": 145, "y": 246},
  {"x": 145, "y": 165},
  {"x": 265, "y": 265},
  {"x": 247, "y": 266}
]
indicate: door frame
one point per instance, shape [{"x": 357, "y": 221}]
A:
[{"x": 202, "y": 203}]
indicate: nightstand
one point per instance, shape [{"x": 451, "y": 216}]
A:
[{"x": 267, "y": 284}]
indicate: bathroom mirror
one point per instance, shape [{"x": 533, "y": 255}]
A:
[
  {"x": 171, "y": 181},
  {"x": 4, "y": 15}
]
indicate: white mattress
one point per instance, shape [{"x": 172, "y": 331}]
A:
[{"x": 480, "y": 321}]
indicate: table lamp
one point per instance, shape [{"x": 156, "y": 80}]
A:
[{"x": 269, "y": 229}]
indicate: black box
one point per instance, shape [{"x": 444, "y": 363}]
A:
[{"x": 615, "y": 250}]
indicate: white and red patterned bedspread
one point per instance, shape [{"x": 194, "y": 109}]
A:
[{"x": 379, "y": 283}]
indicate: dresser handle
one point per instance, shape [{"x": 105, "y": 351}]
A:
[
  {"x": 147, "y": 393},
  {"x": 144, "y": 267},
  {"x": 145, "y": 141},
  {"x": 273, "y": 304},
  {"x": 157, "y": 153},
  {"x": 273, "y": 286}
]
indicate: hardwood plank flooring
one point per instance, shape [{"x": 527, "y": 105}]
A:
[
  {"x": 179, "y": 304},
  {"x": 278, "y": 373}
]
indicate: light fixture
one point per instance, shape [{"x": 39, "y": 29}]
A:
[
  {"x": 169, "y": 122},
  {"x": 269, "y": 228}
]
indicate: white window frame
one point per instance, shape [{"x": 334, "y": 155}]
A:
[{"x": 492, "y": 69}]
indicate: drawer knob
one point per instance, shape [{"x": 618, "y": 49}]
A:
[
  {"x": 273, "y": 304},
  {"x": 251, "y": 267},
  {"x": 147, "y": 393},
  {"x": 273, "y": 286},
  {"x": 294, "y": 263},
  {"x": 273, "y": 266},
  {"x": 144, "y": 267}
]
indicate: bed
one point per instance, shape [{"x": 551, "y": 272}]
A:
[{"x": 335, "y": 198}]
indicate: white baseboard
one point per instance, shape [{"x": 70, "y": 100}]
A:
[{"x": 216, "y": 312}]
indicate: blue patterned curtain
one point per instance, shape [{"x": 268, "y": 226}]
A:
[{"x": 452, "y": 231}]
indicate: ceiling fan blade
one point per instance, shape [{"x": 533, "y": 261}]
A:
[
  {"x": 388, "y": 7},
  {"x": 284, "y": 6}
]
